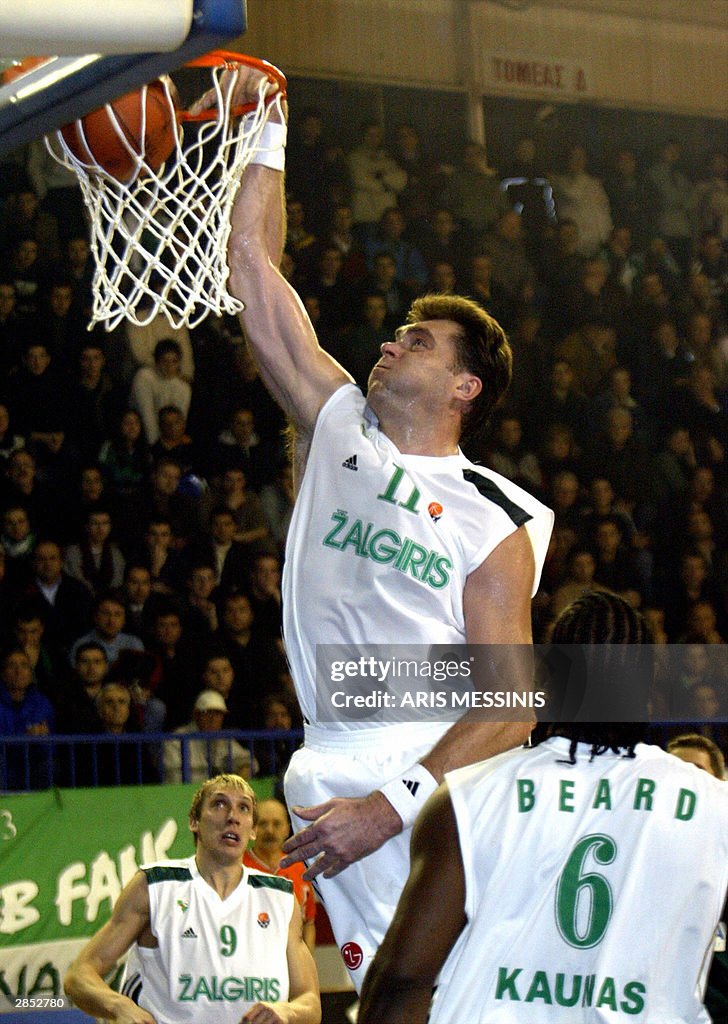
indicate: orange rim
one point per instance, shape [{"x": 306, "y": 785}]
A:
[{"x": 227, "y": 58}]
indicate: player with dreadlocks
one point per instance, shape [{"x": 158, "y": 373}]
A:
[
  {"x": 580, "y": 880},
  {"x": 607, "y": 678}
]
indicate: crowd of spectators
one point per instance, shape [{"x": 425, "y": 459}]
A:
[{"x": 145, "y": 492}]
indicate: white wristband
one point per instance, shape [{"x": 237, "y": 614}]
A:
[
  {"x": 271, "y": 149},
  {"x": 409, "y": 792}
]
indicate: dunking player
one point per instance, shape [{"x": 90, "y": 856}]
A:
[
  {"x": 396, "y": 538},
  {"x": 599, "y": 899}
]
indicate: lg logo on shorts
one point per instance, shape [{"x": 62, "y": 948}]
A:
[{"x": 353, "y": 955}]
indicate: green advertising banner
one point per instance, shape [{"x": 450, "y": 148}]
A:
[{"x": 65, "y": 856}]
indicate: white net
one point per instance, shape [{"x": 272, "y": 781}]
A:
[{"x": 160, "y": 241}]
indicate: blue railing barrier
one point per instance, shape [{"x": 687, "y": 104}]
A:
[{"x": 44, "y": 762}]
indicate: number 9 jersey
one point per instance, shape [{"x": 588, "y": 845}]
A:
[{"x": 215, "y": 958}]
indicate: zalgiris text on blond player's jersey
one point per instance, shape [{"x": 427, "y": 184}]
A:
[
  {"x": 229, "y": 989},
  {"x": 387, "y": 547}
]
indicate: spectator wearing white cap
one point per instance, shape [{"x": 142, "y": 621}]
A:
[{"x": 206, "y": 757}]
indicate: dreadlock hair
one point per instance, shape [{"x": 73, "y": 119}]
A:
[
  {"x": 604, "y": 624},
  {"x": 482, "y": 349},
  {"x": 600, "y": 618}
]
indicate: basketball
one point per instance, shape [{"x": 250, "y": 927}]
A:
[
  {"x": 19, "y": 67},
  {"x": 141, "y": 123}
]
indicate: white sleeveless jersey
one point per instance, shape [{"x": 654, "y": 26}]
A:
[
  {"x": 592, "y": 890},
  {"x": 381, "y": 544},
  {"x": 215, "y": 958}
]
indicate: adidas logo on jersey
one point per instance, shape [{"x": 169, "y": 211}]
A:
[
  {"x": 411, "y": 785},
  {"x": 190, "y": 933},
  {"x": 350, "y": 463}
]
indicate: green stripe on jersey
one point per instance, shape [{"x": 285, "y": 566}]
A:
[
  {"x": 167, "y": 874},
  {"x": 270, "y": 882}
]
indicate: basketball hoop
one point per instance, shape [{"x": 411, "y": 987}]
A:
[{"x": 160, "y": 240}]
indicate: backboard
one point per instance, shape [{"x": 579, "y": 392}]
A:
[{"x": 101, "y": 49}]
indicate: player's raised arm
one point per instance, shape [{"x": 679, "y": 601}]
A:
[
  {"x": 84, "y": 982},
  {"x": 299, "y": 374},
  {"x": 429, "y": 917}
]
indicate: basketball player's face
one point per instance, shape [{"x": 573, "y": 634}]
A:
[
  {"x": 225, "y": 824},
  {"x": 420, "y": 364}
]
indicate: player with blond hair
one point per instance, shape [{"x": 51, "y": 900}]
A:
[{"x": 208, "y": 937}]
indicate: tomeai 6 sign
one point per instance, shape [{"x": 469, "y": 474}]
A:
[{"x": 533, "y": 74}]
